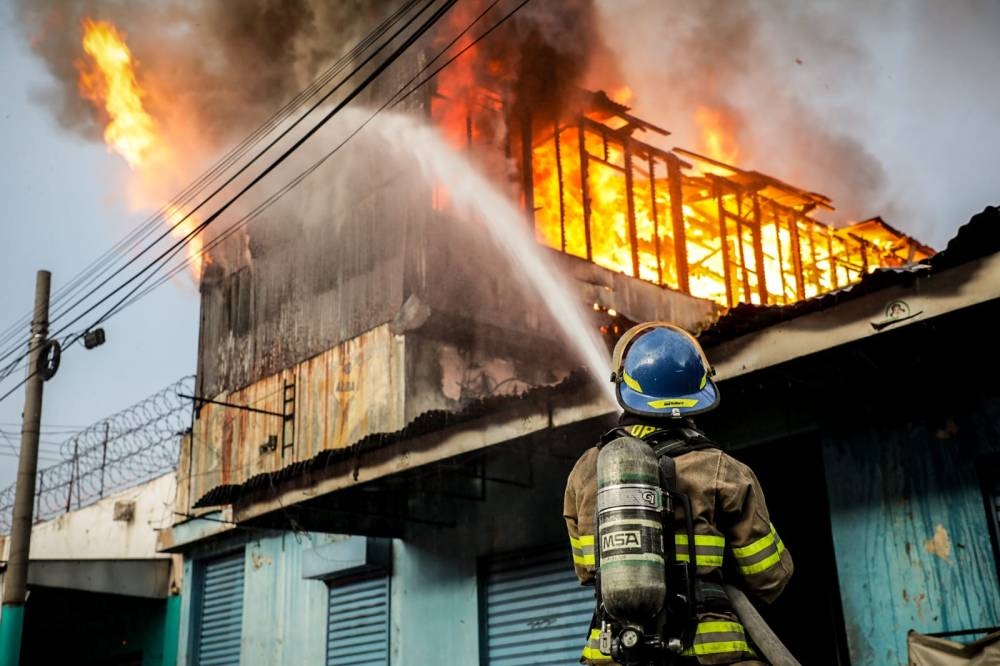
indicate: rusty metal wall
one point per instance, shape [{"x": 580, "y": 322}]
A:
[{"x": 341, "y": 395}]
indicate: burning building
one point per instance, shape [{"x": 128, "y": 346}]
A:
[{"x": 375, "y": 361}]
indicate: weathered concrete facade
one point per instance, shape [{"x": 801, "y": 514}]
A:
[{"x": 96, "y": 578}]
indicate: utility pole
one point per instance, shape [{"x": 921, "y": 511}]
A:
[{"x": 16, "y": 576}]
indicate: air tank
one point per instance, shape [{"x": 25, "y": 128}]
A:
[{"x": 630, "y": 531}]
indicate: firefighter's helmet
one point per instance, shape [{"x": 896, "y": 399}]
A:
[{"x": 660, "y": 370}]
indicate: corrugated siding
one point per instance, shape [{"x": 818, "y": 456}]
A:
[
  {"x": 221, "y": 618},
  {"x": 358, "y": 626},
  {"x": 536, "y": 611}
]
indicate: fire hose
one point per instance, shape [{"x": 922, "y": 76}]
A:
[{"x": 774, "y": 650}]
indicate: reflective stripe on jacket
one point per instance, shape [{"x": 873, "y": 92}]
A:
[
  {"x": 719, "y": 639},
  {"x": 728, "y": 510}
]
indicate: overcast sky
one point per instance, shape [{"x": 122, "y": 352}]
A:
[{"x": 925, "y": 103}]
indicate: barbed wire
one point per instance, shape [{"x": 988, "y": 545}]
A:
[{"x": 135, "y": 445}]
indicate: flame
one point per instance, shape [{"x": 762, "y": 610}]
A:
[
  {"x": 108, "y": 80},
  {"x": 111, "y": 84},
  {"x": 718, "y": 135},
  {"x": 622, "y": 95},
  {"x": 600, "y": 194}
]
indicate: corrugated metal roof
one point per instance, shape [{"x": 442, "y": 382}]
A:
[{"x": 978, "y": 238}]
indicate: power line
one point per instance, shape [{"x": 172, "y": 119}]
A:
[
  {"x": 132, "y": 296},
  {"x": 241, "y": 149},
  {"x": 364, "y": 44},
  {"x": 174, "y": 249},
  {"x": 397, "y": 98}
]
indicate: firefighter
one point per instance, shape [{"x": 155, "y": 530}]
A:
[{"x": 662, "y": 379}]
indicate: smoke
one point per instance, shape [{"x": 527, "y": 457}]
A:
[
  {"x": 736, "y": 63},
  {"x": 854, "y": 101},
  {"x": 211, "y": 70},
  {"x": 842, "y": 98},
  {"x": 541, "y": 57},
  {"x": 214, "y": 70}
]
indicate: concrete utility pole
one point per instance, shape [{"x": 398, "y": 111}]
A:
[{"x": 16, "y": 577}]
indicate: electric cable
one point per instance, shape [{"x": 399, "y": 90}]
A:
[
  {"x": 128, "y": 299},
  {"x": 275, "y": 163},
  {"x": 241, "y": 149},
  {"x": 397, "y": 98},
  {"x": 354, "y": 93}
]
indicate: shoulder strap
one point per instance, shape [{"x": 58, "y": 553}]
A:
[
  {"x": 678, "y": 441},
  {"x": 613, "y": 434}
]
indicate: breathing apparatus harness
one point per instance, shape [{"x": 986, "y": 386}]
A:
[{"x": 647, "y": 599}]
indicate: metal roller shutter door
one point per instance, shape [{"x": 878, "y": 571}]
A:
[
  {"x": 358, "y": 624},
  {"x": 221, "y": 615},
  {"x": 536, "y": 610}
]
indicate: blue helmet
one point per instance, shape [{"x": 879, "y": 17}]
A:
[{"x": 661, "y": 370}]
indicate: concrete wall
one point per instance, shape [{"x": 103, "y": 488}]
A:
[{"x": 93, "y": 533}]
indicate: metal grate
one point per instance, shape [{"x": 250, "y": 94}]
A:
[
  {"x": 358, "y": 624},
  {"x": 221, "y": 614},
  {"x": 536, "y": 610}
]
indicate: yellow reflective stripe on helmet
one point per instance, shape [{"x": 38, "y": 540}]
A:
[
  {"x": 672, "y": 402},
  {"x": 583, "y": 550},
  {"x": 760, "y": 555},
  {"x": 704, "y": 380},
  {"x": 631, "y": 382}
]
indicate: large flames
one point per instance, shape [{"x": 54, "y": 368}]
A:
[
  {"x": 107, "y": 78},
  {"x": 680, "y": 219}
]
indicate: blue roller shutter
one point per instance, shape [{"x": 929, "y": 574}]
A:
[
  {"x": 536, "y": 610},
  {"x": 220, "y": 617},
  {"x": 358, "y": 625}
]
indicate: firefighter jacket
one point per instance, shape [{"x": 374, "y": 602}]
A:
[{"x": 730, "y": 517}]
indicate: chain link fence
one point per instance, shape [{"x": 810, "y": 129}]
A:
[{"x": 126, "y": 449}]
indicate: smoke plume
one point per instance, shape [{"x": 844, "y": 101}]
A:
[
  {"x": 690, "y": 62},
  {"x": 210, "y": 69}
]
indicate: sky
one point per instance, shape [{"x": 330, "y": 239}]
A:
[
  {"x": 59, "y": 214},
  {"x": 914, "y": 83}
]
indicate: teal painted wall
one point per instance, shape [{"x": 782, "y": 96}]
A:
[
  {"x": 434, "y": 601},
  {"x": 910, "y": 533},
  {"x": 284, "y": 615},
  {"x": 171, "y": 630}
]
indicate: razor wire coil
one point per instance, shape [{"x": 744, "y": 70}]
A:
[{"x": 121, "y": 451}]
